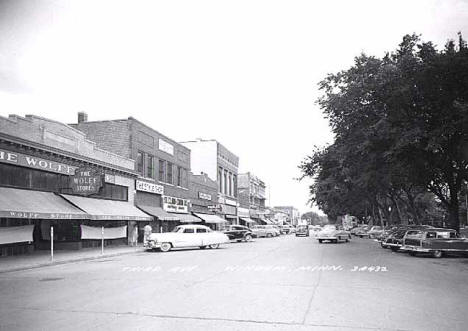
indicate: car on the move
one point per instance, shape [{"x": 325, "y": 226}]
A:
[
  {"x": 189, "y": 235},
  {"x": 333, "y": 234},
  {"x": 363, "y": 232},
  {"x": 264, "y": 231},
  {"x": 434, "y": 241},
  {"x": 286, "y": 229},
  {"x": 239, "y": 233},
  {"x": 375, "y": 231},
  {"x": 302, "y": 230}
]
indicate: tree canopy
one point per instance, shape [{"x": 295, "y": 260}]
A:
[{"x": 401, "y": 135}]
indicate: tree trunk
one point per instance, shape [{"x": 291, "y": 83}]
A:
[{"x": 454, "y": 209}]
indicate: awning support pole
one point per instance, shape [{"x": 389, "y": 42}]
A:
[
  {"x": 52, "y": 244},
  {"x": 102, "y": 240}
]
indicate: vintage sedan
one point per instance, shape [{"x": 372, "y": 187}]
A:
[
  {"x": 375, "y": 231},
  {"x": 264, "y": 231},
  {"x": 190, "y": 235},
  {"x": 302, "y": 230},
  {"x": 434, "y": 241},
  {"x": 239, "y": 233},
  {"x": 333, "y": 235}
]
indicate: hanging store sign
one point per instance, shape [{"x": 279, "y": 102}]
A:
[
  {"x": 204, "y": 196},
  {"x": 231, "y": 202},
  {"x": 86, "y": 181},
  {"x": 175, "y": 205},
  {"x": 149, "y": 187},
  {"x": 29, "y": 161}
]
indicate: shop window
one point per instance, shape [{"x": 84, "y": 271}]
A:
[
  {"x": 169, "y": 173},
  {"x": 162, "y": 171},
  {"x": 140, "y": 158},
  {"x": 150, "y": 166}
]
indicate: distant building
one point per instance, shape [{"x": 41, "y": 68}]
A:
[
  {"x": 252, "y": 196},
  {"x": 292, "y": 212},
  {"x": 220, "y": 165}
]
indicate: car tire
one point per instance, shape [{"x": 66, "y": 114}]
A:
[
  {"x": 165, "y": 247},
  {"x": 437, "y": 254},
  {"x": 394, "y": 249},
  {"x": 248, "y": 238},
  {"x": 346, "y": 240},
  {"x": 383, "y": 245},
  {"x": 411, "y": 253},
  {"x": 214, "y": 246},
  {"x": 269, "y": 235},
  {"x": 320, "y": 241},
  {"x": 202, "y": 247}
]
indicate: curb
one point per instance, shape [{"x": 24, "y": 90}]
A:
[{"x": 51, "y": 264}]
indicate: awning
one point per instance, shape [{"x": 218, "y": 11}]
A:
[
  {"x": 230, "y": 216},
  {"x": 100, "y": 209},
  {"x": 159, "y": 213},
  {"x": 266, "y": 221},
  {"x": 210, "y": 218},
  {"x": 186, "y": 218},
  {"x": 18, "y": 203},
  {"x": 247, "y": 220}
]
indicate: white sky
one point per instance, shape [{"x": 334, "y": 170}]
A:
[{"x": 242, "y": 72}]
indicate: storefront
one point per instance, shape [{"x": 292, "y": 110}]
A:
[
  {"x": 49, "y": 173},
  {"x": 244, "y": 217},
  {"x": 179, "y": 208}
]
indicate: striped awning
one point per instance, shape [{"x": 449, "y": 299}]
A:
[
  {"x": 159, "y": 213},
  {"x": 210, "y": 218}
]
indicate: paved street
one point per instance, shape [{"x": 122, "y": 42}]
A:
[{"x": 283, "y": 283}]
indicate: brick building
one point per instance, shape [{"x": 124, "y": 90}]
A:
[
  {"x": 163, "y": 166},
  {"x": 52, "y": 176},
  {"x": 220, "y": 165},
  {"x": 293, "y": 215},
  {"x": 252, "y": 195}
]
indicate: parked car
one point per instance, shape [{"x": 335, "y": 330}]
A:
[
  {"x": 264, "y": 231},
  {"x": 239, "y": 233},
  {"x": 302, "y": 230},
  {"x": 356, "y": 229},
  {"x": 286, "y": 229},
  {"x": 375, "y": 231},
  {"x": 394, "y": 240},
  {"x": 276, "y": 228},
  {"x": 314, "y": 231},
  {"x": 190, "y": 235},
  {"x": 333, "y": 235},
  {"x": 434, "y": 241},
  {"x": 363, "y": 232}
]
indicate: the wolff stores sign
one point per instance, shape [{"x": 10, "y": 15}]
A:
[
  {"x": 86, "y": 181},
  {"x": 35, "y": 162}
]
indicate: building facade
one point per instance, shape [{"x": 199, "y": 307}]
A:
[
  {"x": 293, "y": 215},
  {"x": 252, "y": 195},
  {"x": 204, "y": 199},
  {"x": 221, "y": 165},
  {"x": 51, "y": 176},
  {"x": 163, "y": 166}
]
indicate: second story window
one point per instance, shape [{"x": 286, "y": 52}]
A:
[
  {"x": 140, "y": 158},
  {"x": 150, "y": 166},
  {"x": 169, "y": 173},
  {"x": 220, "y": 179},
  {"x": 162, "y": 171},
  {"x": 234, "y": 179},
  {"x": 179, "y": 176}
]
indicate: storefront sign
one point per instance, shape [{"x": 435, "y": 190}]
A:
[
  {"x": 109, "y": 178},
  {"x": 214, "y": 208},
  {"x": 243, "y": 212},
  {"x": 29, "y": 214},
  {"x": 35, "y": 163},
  {"x": 228, "y": 210},
  {"x": 204, "y": 196},
  {"x": 149, "y": 187},
  {"x": 86, "y": 181},
  {"x": 166, "y": 147},
  {"x": 175, "y": 205},
  {"x": 231, "y": 202}
]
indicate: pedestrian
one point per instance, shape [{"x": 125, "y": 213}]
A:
[
  {"x": 147, "y": 232},
  {"x": 135, "y": 236}
]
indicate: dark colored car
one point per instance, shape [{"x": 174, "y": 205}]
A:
[
  {"x": 394, "y": 240},
  {"x": 434, "y": 241},
  {"x": 239, "y": 233},
  {"x": 302, "y": 230}
]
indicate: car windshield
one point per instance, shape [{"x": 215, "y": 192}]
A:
[{"x": 177, "y": 229}]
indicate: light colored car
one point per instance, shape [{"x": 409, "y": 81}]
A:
[
  {"x": 190, "y": 235},
  {"x": 330, "y": 233},
  {"x": 274, "y": 228},
  {"x": 264, "y": 231},
  {"x": 375, "y": 231}
]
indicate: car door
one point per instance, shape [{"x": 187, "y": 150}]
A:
[
  {"x": 204, "y": 237},
  {"x": 189, "y": 238},
  {"x": 231, "y": 233}
]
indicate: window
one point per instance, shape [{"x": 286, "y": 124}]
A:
[
  {"x": 169, "y": 173},
  {"x": 201, "y": 230},
  {"x": 162, "y": 171},
  {"x": 140, "y": 161},
  {"x": 150, "y": 166},
  {"x": 179, "y": 176},
  {"x": 225, "y": 182},
  {"x": 189, "y": 230},
  {"x": 235, "y": 185},
  {"x": 229, "y": 191},
  {"x": 431, "y": 235},
  {"x": 220, "y": 179}
]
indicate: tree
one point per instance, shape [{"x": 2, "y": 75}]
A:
[{"x": 401, "y": 131}]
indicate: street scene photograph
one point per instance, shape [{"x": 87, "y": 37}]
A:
[{"x": 234, "y": 165}]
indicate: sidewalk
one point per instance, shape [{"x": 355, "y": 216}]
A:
[{"x": 42, "y": 258}]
